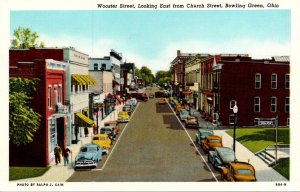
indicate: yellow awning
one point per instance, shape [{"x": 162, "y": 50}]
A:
[
  {"x": 76, "y": 80},
  {"x": 82, "y": 80},
  {"x": 83, "y": 121}
]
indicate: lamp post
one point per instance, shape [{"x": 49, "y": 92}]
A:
[{"x": 235, "y": 110}]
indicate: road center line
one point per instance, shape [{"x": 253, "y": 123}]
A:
[
  {"x": 103, "y": 166},
  {"x": 193, "y": 142}
]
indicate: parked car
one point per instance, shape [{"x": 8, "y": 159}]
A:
[
  {"x": 202, "y": 133},
  {"x": 88, "y": 156},
  {"x": 132, "y": 102},
  {"x": 173, "y": 102},
  {"x": 211, "y": 142},
  {"x": 109, "y": 130},
  {"x": 139, "y": 96},
  {"x": 123, "y": 116},
  {"x": 128, "y": 108},
  {"x": 191, "y": 121},
  {"x": 183, "y": 114},
  {"x": 238, "y": 171},
  {"x": 116, "y": 125},
  {"x": 178, "y": 108},
  {"x": 221, "y": 156},
  {"x": 103, "y": 141},
  {"x": 162, "y": 101}
]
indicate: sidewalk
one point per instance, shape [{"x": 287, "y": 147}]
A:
[{"x": 263, "y": 171}]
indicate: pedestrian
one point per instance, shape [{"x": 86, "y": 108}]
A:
[
  {"x": 86, "y": 131},
  {"x": 66, "y": 155},
  {"x": 57, "y": 154}
]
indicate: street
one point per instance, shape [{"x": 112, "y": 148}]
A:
[{"x": 153, "y": 146}]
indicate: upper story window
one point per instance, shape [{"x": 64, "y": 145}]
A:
[
  {"x": 274, "y": 81},
  {"x": 55, "y": 95},
  {"x": 59, "y": 94},
  {"x": 103, "y": 67},
  {"x": 50, "y": 97},
  {"x": 257, "y": 104},
  {"x": 287, "y": 81},
  {"x": 273, "y": 104},
  {"x": 287, "y": 104},
  {"x": 257, "y": 81},
  {"x": 95, "y": 66}
]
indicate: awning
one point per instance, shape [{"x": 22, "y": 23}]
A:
[
  {"x": 82, "y": 80},
  {"x": 83, "y": 121}
]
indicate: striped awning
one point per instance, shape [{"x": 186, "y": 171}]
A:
[
  {"x": 82, "y": 80},
  {"x": 83, "y": 121}
]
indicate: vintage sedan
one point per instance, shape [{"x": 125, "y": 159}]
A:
[
  {"x": 116, "y": 125},
  {"x": 88, "y": 156},
  {"x": 162, "y": 101},
  {"x": 128, "y": 108},
  {"x": 221, "y": 156},
  {"x": 103, "y": 141},
  {"x": 123, "y": 116},
  {"x": 202, "y": 133},
  {"x": 211, "y": 142},
  {"x": 191, "y": 121},
  {"x": 183, "y": 114},
  {"x": 238, "y": 171},
  {"x": 109, "y": 130}
]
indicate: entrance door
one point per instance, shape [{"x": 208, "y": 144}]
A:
[{"x": 60, "y": 131}]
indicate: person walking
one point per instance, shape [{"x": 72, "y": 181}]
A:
[
  {"x": 66, "y": 154},
  {"x": 57, "y": 154}
]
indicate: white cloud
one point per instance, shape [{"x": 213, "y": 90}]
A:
[{"x": 102, "y": 47}]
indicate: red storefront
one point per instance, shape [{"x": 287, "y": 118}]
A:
[{"x": 48, "y": 101}]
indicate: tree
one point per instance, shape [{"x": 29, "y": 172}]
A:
[
  {"x": 146, "y": 74},
  {"x": 23, "y": 120},
  {"x": 25, "y": 38}
]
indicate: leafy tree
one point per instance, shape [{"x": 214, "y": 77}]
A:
[
  {"x": 23, "y": 121},
  {"x": 25, "y": 38},
  {"x": 146, "y": 74}
]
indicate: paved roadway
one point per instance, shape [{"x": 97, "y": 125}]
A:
[{"x": 153, "y": 146}]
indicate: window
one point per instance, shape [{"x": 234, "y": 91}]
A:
[
  {"x": 256, "y": 104},
  {"x": 288, "y": 121},
  {"x": 287, "y": 81},
  {"x": 49, "y": 96},
  {"x": 59, "y": 94},
  {"x": 257, "y": 81},
  {"x": 95, "y": 66},
  {"x": 274, "y": 81},
  {"x": 273, "y": 104},
  {"x": 55, "y": 95},
  {"x": 287, "y": 104},
  {"x": 103, "y": 67},
  {"x": 232, "y": 104}
]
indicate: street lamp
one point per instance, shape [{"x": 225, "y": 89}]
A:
[{"x": 235, "y": 110}]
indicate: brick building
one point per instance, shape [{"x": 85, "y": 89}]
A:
[
  {"x": 48, "y": 100},
  {"x": 259, "y": 87}
]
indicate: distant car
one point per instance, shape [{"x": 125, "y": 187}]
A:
[
  {"x": 151, "y": 95},
  {"x": 211, "y": 142},
  {"x": 109, "y": 130},
  {"x": 238, "y": 171},
  {"x": 221, "y": 156},
  {"x": 103, "y": 141},
  {"x": 128, "y": 108},
  {"x": 162, "y": 101},
  {"x": 123, "y": 116},
  {"x": 183, "y": 114},
  {"x": 88, "y": 156},
  {"x": 116, "y": 125},
  {"x": 202, "y": 133},
  {"x": 132, "y": 102},
  {"x": 191, "y": 121},
  {"x": 178, "y": 108}
]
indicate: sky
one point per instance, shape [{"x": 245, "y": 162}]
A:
[{"x": 152, "y": 38}]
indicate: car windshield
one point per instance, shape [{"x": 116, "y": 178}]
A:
[
  {"x": 99, "y": 138},
  {"x": 244, "y": 172},
  {"x": 88, "y": 149}
]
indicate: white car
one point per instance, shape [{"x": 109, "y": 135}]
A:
[{"x": 183, "y": 115}]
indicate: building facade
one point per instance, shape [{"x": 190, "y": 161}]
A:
[
  {"x": 49, "y": 101},
  {"x": 260, "y": 89}
]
